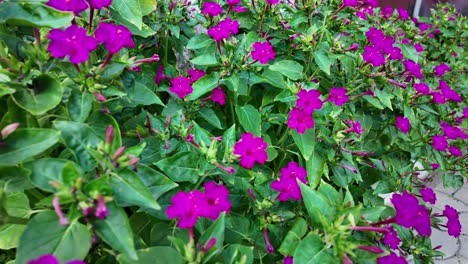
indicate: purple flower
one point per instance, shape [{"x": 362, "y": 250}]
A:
[
  {"x": 391, "y": 238},
  {"x": 251, "y": 149},
  {"x": 101, "y": 210},
  {"x": 188, "y": 207},
  {"x": 212, "y": 8},
  {"x": 386, "y": 12},
  {"x": 452, "y": 132},
  {"x": 351, "y": 3},
  {"x": 73, "y": 42},
  {"x": 441, "y": 69},
  {"x": 418, "y": 47},
  {"x": 355, "y": 127},
  {"x": 391, "y": 259},
  {"x": 240, "y": 9},
  {"x": 453, "y": 221},
  {"x": 438, "y": 97},
  {"x": 410, "y": 214},
  {"x": 374, "y": 56},
  {"x": 435, "y": 166},
  {"x": 413, "y": 68},
  {"x": 272, "y": 2},
  {"x": 428, "y": 195},
  {"x": 402, "y": 14},
  {"x": 439, "y": 143},
  {"x": 364, "y": 12},
  {"x": 114, "y": 37},
  {"x": 375, "y": 36},
  {"x": 396, "y": 54},
  {"x": 287, "y": 184},
  {"x": 422, "y": 88},
  {"x": 181, "y": 86},
  {"x": 229, "y": 24},
  {"x": 300, "y": 120},
  {"x": 218, "y": 96},
  {"x": 448, "y": 92},
  {"x": 338, "y": 96},
  {"x": 219, "y": 33},
  {"x": 454, "y": 151},
  {"x": 403, "y": 124},
  {"x": 51, "y": 259},
  {"x": 289, "y": 259},
  {"x": 195, "y": 74},
  {"x": 309, "y": 100},
  {"x": 372, "y": 3},
  {"x": 99, "y": 4},
  {"x": 423, "y": 27},
  {"x": 233, "y": 2},
  {"x": 217, "y": 199},
  {"x": 263, "y": 52},
  {"x": 75, "y": 6}
]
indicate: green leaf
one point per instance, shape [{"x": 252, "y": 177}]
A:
[
  {"x": 315, "y": 167},
  {"x": 250, "y": 119},
  {"x": 14, "y": 179},
  {"x": 236, "y": 253},
  {"x": 70, "y": 173},
  {"x": 79, "y": 138},
  {"x": 44, "y": 235},
  {"x": 157, "y": 183},
  {"x": 200, "y": 41},
  {"x": 79, "y": 105},
  {"x": 210, "y": 116},
  {"x": 317, "y": 205},
  {"x": 322, "y": 60},
  {"x": 5, "y": 90},
  {"x": 181, "y": 167},
  {"x": 153, "y": 255},
  {"x": 291, "y": 69},
  {"x": 206, "y": 59},
  {"x": 216, "y": 230},
  {"x": 139, "y": 94},
  {"x": 45, "y": 94},
  {"x": 293, "y": 237},
  {"x": 17, "y": 205},
  {"x": 409, "y": 52},
  {"x": 115, "y": 230},
  {"x": 26, "y": 143},
  {"x": 10, "y": 235},
  {"x": 274, "y": 78},
  {"x": 99, "y": 122},
  {"x": 330, "y": 193},
  {"x": 33, "y": 14},
  {"x": 203, "y": 85},
  {"x": 384, "y": 97},
  {"x": 312, "y": 250},
  {"x": 46, "y": 170},
  {"x": 133, "y": 10},
  {"x": 128, "y": 189},
  {"x": 112, "y": 71},
  {"x": 305, "y": 142}
]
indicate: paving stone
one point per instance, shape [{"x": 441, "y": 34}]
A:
[
  {"x": 452, "y": 261},
  {"x": 450, "y": 245},
  {"x": 444, "y": 199},
  {"x": 462, "y": 194},
  {"x": 464, "y": 247}
]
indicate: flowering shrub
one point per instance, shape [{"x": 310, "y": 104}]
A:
[{"x": 143, "y": 131}]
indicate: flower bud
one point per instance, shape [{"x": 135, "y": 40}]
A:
[
  {"x": 56, "y": 204},
  {"x": 6, "y": 131},
  {"x": 101, "y": 210},
  {"x": 109, "y": 134}
]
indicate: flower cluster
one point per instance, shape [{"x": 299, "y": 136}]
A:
[
  {"x": 300, "y": 117},
  {"x": 251, "y": 149},
  {"x": 381, "y": 45},
  {"x": 224, "y": 29},
  {"x": 453, "y": 221},
  {"x": 189, "y": 206},
  {"x": 287, "y": 185},
  {"x": 441, "y": 143}
]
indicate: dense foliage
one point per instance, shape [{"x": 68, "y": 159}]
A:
[{"x": 144, "y": 131}]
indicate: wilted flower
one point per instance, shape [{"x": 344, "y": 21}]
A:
[{"x": 101, "y": 210}]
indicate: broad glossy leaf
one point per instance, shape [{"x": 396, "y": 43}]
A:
[
  {"x": 216, "y": 230},
  {"x": 5, "y": 90},
  {"x": 46, "y": 170},
  {"x": 291, "y": 69},
  {"x": 293, "y": 237},
  {"x": 315, "y": 167},
  {"x": 139, "y": 94},
  {"x": 133, "y": 10},
  {"x": 206, "y": 59},
  {"x": 26, "y": 143},
  {"x": 210, "y": 116},
  {"x": 128, "y": 189},
  {"x": 236, "y": 253},
  {"x": 17, "y": 205},
  {"x": 44, "y": 235},
  {"x": 79, "y": 138},
  {"x": 15, "y": 179},
  {"x": 79, "y": 105},
  {"x": 204, "y": 85},
  {"x": 322, "y": 60},
  {"x": 200, "y": 41},
  {"x": 33, "y": 14},
  {"x": 157, "y": 182},
  {"x": 250, "y": 119},
  {"x": 153, "y": 255},
  {"x": 99, "y": 122},
  {"x": 312, "y": 250},
  {"x": 305, "y": 142},
  {"x": 181, "y": 167},
  {"x": 45, "y": 94},
  {"x": 10, "y": 235},
  {"x": 330, "y": 193},
  {"x": 317, "y": 205},
  {"x": 115, "y": 230}
]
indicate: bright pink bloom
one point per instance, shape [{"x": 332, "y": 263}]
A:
[
  {"x": 410, "y": 214},
  {"x": 439, "y": 143},
  {"x": 423, "y": 27},
  {"x": 251, "y": 149},
  {"x": 75, "y": 6},
  {"x": 403, "y": 124},
  {"x": 355, "y": 127},
  {"x": 219, "y": 33},
  {"x": 435, "y": 166},
  {"x": 386, "y": 12},
  {"x": 195, "y": 74},
  {"x": 309, "y": 100},
  {"x": 233, "y": 2},
  {"x": 364, "y": 12},
  {"x": 374, "y": 56},
  {"x": 375, "y": 36},
  {"x": 240, "y": 9},
  {"x": 448, "y": 92},
  {"x": 403, "y": 14},
  {"x": 441, "y": 69},
  {"x": 438, "y": 97},
  {"x": 218, "y": 96},
  {"x": 229, "y": 24},
  {"x": 114, "y": 37},
  {"x": 181, "y": 86},
  {"x": 413, "y": 68},
  {"x": 217, "y": 199},
  {"x": 188, "y": 207},
  {"x": 372, "y": 3},
  {"x": 452, "y": 132},
  {"x": 212, "y": 8},
  {"x": 287, "y": 184},
  {"x": 73, "y": 42},
  {"x": 455, "y": 151},
  {"x": 288, "y": 260},
  {"x": 396, "y": 54},
  {"x": 338, "y": 96},
  {"x": 272, "y": 2},
  {"x": 422, "y": 88},
  {"x": 418, "y": 47},
  {"x": 351, "y": 3},
  {"x": 300, "y": 120},
  {"x": 263, "y": 52},
  {"x": 453, "y": 221},
  {"x": 428, "y": 195},
  {"x": 391, "y": 238},
  {"x": 51, "y": 259},
  {"x": 391, "y": 259},
  {"x": 99, "y": 4}
]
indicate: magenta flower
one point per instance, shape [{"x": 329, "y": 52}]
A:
[
  {"x": 188, "y": 207},
  {"x": 439, "y": 143},
  {"x": 403, "y": 14},
  {"x": 287, "y": 184},
  {"x": 99, "y": 4},
  {"x": 251, "y": 149},
  {"x": 217, "y": 199},
  {"x": 372, "y": 3},
  {"x": 195, "y": 74},
  {"x": 413, "y": 68},
  {"x": 212, "y": 9},
  {"x": 448, "y": 92},
  {"x": 160, "y": 75},
  {"x": 229, "y": 24},
  {"x": 364, "y": 12},
  {"x": 289, "y": 259},
  {"x": 240, "y": 9},
  {"x": 355, "y": 127},
  {"x": 351, "y": 3},
  {"x": 338, "y": 96},
  {"x": 435, "y": 166},
  {"x": 233, "y": 2},
  {"x": 455, "y": 151},
  {"x": 422, "y": 88},
  {"x": 101, "y": 210},
  {"x": 391, "y": 259},
  {"x": 300, "y": 120},
  {"x": 441, "y": 69},
  {"x": 181, "y": 86},
  {"x": 75, "y": 6},
  {"x": 391, "y": 238},
  {"x": 428, "y": 195},
  {"x": 438, "y": 97},
  {"x": 374, "y": 56},
  {"x": 51, "y": 259},
  {"x": 73, "y": 42},
  {"x": 263, "y": 52},
  {"x": 63, "y": 220},
  {"x": 309, "y": 100},
  {"x": 114, "y": 37},
  {"x": 218, "y": 33},
  {"x": 418, "y": 47},
  {"x": 386, "y": 12},
  {"x": 403, "y": 124},
  {"x": 272, "y": 2},
  {"x": 452, "y": 132},
  {"x": 410, "y": 214},
  {"x": 395, "y": 54},
  {"x": 453, "y": 221},
  {"x": 218, "y": 96},
  {"x": 375, "y": 36}
]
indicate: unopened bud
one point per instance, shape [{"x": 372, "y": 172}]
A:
[
  {"x": 209, "y": 245},
  {"x": 101, "y": 210},
  {"x": 99, "y": 97},
  {"x": 109, "y": 134},
  {"x": 56, "y": 204},
  {"x": 118, "y": 153},
  {"x": 6, "y": 131}
]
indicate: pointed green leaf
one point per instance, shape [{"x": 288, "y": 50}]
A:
[
  {"x": 153, "y": 255},
  {"x": 291, "y": 69},
  {"x": 322, "y": 60},
  {"x": 250, "y": 119},
  {"x": 204, "y": 85}
]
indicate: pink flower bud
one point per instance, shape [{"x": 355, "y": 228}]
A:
[
  {"x": 209, "y": 245},
  {"x": 6, "y": 131},
  {"x": 99, "y": 97},
  {"x": 109, "y": 134},
  {"x": 101, "y": 210},
  {"x": 62, "y": 219},
  {"x": 118, "y": 153}
]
